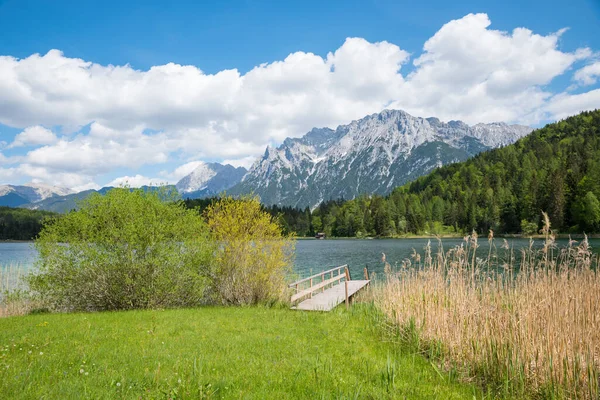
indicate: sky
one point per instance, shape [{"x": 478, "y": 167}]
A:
[{"x": 96, "y": 93}]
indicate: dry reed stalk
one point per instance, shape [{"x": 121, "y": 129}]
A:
[
  {"x": 11, "y": 283},
  {"x": 537, "y": 331}
]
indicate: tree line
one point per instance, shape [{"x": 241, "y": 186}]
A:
[{"x": 21, "y": 223}]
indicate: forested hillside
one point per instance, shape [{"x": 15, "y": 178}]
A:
[
  {"x": 21, "y": 223},
  {"x": 556, "y": 169}
]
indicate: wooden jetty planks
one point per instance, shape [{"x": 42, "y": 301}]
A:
[{"x": 331, "y": 297}]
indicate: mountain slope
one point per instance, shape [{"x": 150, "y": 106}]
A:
[
  {"x": 370, "y": 155},
  {"x": 556, "y": 169},
  {"x": 18, "y": 195},
  {"x": 209, "y": 179}
]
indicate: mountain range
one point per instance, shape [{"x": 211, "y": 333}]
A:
[
  {"x": 370, "y": 155},
  {"x": 19, "y": 195}
]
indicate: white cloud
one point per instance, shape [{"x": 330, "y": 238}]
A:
[
  {"x": 87, "y": 186},
  {"x": 564, "y": 105},
  {"x": 135, "y": 181},
  {"x": 466, "y": 71},
  {"x": 588, "y": 75},
  {"x": 245, "y": 162},
  {"x": 34, "y": 136}
]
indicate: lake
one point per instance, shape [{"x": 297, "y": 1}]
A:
[{"x": 313, "y": 256}]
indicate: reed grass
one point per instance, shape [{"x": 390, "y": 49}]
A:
[
  {"x": 15, "y": 298},
  {"x": 528, "y": 325}
]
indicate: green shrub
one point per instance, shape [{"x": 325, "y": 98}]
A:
[
  {"x": 124, "y": 250},
  {"x": 254, "y": 257}
]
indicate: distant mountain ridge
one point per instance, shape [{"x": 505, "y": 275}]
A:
[
  {"x": 370, "y": 155},
  {"x": 209, "y": 179},
  {"x": 18, "y": 195},
  {"x": 63, "y": 204}
]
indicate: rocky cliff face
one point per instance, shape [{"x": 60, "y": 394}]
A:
[
  {"x": 370, "y": 155},
  {"x": 209, "y": 179}
]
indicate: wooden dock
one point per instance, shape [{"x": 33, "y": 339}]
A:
[{"x": 324, "y": 291}]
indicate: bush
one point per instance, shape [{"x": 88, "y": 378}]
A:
[
  {"x": 124, "y": 250},
  {"x": 254, "y": 257}
]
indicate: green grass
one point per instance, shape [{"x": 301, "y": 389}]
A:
[{"x": 254, "y": 352}]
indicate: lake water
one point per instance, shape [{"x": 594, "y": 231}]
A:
[{"x": 313, "y": 256}]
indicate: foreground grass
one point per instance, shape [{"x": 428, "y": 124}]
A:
[{"x": 212, "y": 353}]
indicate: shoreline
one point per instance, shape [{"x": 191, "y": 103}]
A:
[{"x": 575, "y": 236}]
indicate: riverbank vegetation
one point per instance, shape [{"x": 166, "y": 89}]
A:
[
  {"x": 526, "y": 329},
  {"x": 132, "y": 249}
]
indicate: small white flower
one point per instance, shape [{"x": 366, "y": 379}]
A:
[
  {"x": 41, "y": 354},
  {"x": 87, "y": 373},
  {"x": 81, "y": 371},
  {"x": 179, "y": 381},
  {"x": 29, "y": 351},
  {"x": 118, "y": 384}
]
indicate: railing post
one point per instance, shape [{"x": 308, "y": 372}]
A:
[
  {"x": 346, "y": 287},
  {"x": 311, "y": 284},
  {"x": 331, "y": 278},
  {"x": 366, "y": 274}
]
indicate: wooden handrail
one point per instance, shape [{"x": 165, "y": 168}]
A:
[
  {"x": 316, "y": 287},
  {"x": 317, "y": 275}
]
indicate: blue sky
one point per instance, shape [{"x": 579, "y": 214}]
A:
[{"x": 99, "y": 107}]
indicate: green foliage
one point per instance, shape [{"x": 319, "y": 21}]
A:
[
  {"x": 21, "y": 223},
  {"x": 213, "y": 353},
  {"x": 528, "y": 228},
  {"x": 124, "y": 250},
  {"x": 587, "y": 212},
  {"x": 254, "y": 257}
]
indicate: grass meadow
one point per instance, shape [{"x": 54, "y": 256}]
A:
[{"x": 214, "y": 352}]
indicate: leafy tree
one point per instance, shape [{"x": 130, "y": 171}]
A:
[
  {"x": 124, "y": 250},
  {"x": 254, "y": 256},
  {"x": 528, "y": 227},
  {"x": 588, "y": 211}
]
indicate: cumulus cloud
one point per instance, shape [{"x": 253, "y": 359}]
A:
[
  {"x": 467, "y": 71},
  {"x": 588, "y": 75},
  {"x": 34, "y": 136},
  {"x": 564, "y": 105},
  {"x": 135, "y": 181}
]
